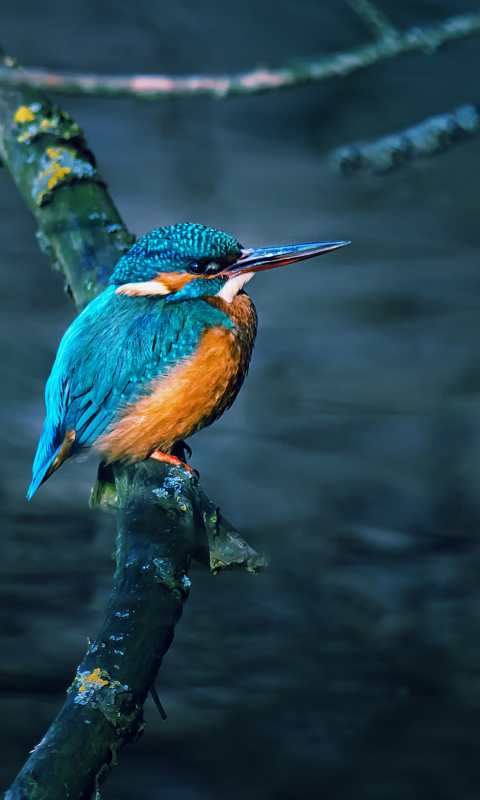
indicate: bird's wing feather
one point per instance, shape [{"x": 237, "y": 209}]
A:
[{"x": 108, "y": 357}]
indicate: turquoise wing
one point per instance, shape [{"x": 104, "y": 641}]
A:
[{"x": 107, "y": 358}]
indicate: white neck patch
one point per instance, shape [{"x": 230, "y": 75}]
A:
[
  {"x": 233, "y": 286},
  {"x": 142, "y": 288}
]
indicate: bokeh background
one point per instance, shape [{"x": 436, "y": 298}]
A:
[{"x": 350, "y": 668}]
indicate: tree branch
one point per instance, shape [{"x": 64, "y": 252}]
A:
[
  {"x": 428, "y": 138},
  {"x": 373, "y": 18},
  {"x": 262, "y": 80},
  {"x": 79, "y": 227},
  {"x": 163, "y": 517}
]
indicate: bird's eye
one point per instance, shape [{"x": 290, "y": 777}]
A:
[{"x": 197, "y": 267}]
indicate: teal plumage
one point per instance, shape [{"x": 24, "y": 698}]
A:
[
  {"x": 175, "y": 300},
  {"x": 106, "y": 359},
  {"x": 118, "y": 343}
]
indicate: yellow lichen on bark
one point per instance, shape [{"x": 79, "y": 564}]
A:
[
  {"x": 54, "y": 152},
  {"x": 57, "y": 176},
  {"x": 54, "y": 172},
  {"x": 93, "y": 680},
  {"x": 48, "y": 125},
  {"x": 23, "y": 114}
]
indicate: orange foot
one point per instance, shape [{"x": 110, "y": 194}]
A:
[{"x": 159, "y": 456}]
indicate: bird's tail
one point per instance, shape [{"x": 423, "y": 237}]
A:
[
  {"x": 40, "y": 474},
  {"x": 47, "y": 451}
]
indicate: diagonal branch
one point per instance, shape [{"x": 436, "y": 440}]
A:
[
  {"x": 430, "y": 137},
  {"x": 375, "y": 19},
  {"x": 262, "y": 80},
  {"x": 163, "y": 517},
  {"x": 47, "y": 156}
]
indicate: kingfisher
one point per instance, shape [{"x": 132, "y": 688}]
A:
[{"x": 161, "y": 353}]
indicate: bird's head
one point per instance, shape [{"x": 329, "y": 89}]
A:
[{"x": 186, "y": 261}]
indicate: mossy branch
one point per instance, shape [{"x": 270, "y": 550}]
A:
[
  {"x": 79, "y": 227},
  {"x": 163, "y": 517},
  {"x": 390, "y": 44}
]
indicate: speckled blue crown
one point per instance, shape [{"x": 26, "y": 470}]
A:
[{"x": 171, "y": 249}]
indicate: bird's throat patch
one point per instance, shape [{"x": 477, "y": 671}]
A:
[{"x": 233, "y": 286}]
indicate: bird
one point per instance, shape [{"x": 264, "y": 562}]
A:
[{"x": 161, "y": 353}]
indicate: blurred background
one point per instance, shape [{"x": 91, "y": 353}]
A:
[{"x": 350, "y": 668}]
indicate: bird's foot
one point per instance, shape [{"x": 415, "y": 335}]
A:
[{"x": 159, "y": 456}]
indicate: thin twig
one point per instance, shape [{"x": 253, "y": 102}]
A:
[
  {"x": 157, "y": 701},
  {"x": 430, "y": 137},
  {"x": 373, "y": 18},
  {"x": 155, "y": 87}
]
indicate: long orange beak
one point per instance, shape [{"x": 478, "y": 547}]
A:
[{"x": 260, "y": 258}]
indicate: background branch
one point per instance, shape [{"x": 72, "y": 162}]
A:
[
  {"x": 155, "y": 87},
  {"x": 373, "y": 18},
  {"x": 428, "y": 138}
]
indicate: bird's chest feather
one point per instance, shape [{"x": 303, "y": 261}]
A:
[{"x": 191, "y": 395}]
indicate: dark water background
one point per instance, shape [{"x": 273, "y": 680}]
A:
[{"x": 350, "y": 669}]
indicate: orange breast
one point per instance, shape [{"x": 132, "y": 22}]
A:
[{"x": 193, "y": 394}]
